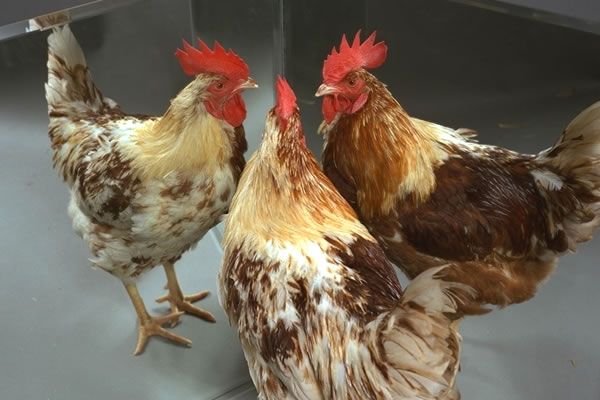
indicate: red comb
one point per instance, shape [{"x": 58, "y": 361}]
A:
[
  {"x": 218, "y": 61},
  {"x": 286, "y": 101},
  {"x": 365, "y": 55}
]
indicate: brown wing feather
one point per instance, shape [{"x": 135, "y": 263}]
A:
[
  {"x": 479, "y": 206},
  {"x": 378, "y": 288},
  {"x": 106, "y": 187}
]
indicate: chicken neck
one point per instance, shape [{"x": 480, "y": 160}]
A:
[
  {"x": 387, "y": 156},
  {"x": 186, "y": 139}
]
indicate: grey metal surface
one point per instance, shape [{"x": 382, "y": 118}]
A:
[
  {"x": 582, "y": 9},
  {"x": 583, "y": 15},
  {"x": 16, "y": 17},
  {"x": 14, "y": 11}
]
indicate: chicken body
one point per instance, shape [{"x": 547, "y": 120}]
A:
[
  {"x": 143, "y": 189},
  {"x": 433, "y": 196},
  {"x": 319, "y": 310}
]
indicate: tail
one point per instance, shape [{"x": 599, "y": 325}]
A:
[
  {"x": 70, "y": 89},
  {"x": 420, "y": 338},
  {"x": 435, "y": 295},
  {"x": 576, "y": 156},
  {"x": 71, "y": 96},
  {"x": 579, "y": 144}
]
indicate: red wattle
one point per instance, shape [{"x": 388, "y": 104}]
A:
[
  {"x": 234, "y": 110},
  {"x": 328, "y": 109}
]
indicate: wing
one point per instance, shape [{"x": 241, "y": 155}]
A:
[
  {"x": 275, "y": 350},
  {"x": 99, "y": 172},
  {"x": 276, "y": 381},
  {"x": 481, "y": 205},
  {"x": 297, "y": 378},
  {"x": 373, "y": 286},
  {"x": 335, "y": 353}
]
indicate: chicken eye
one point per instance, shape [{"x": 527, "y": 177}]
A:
[
  {"x": 219, "y": 86},
  {"x": 352, "y": 82}
]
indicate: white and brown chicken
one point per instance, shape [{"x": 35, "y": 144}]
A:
[
  {"x": 145, "y": 189},
  {"x": 319, "y": 310}
]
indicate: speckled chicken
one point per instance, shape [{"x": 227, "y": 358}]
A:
[
  {"x": 145, "y": 189},
  {"x": 432, "y": 195},
  {"x": 319, "y": 310}
]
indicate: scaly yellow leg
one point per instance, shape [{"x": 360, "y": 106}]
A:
[
  {"x": 179, "y": 302},
  {"x": 149, "y": 325}
]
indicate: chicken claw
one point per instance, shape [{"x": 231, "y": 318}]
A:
[
  {"x": 179, "y": 302},
  {"x": 153, "y": 327}
]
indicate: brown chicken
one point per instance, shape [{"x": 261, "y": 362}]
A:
[
  {"x": 432, "y": 195},
  {"x": 319, "y": 310},
  {"x": 145, "y": 189}
]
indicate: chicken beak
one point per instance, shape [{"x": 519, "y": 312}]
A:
[
  {"x": 324, "y": 90},
  {"x": 248, "y": 84}
]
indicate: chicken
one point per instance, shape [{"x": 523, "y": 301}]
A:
[
  {"x": 145, "y": 189},
  {"x": 319, "y": 310},
  {"x": 433, "y": 196}
]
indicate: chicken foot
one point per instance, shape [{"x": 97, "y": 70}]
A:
[
  {"x": 180, "y": 303},
  {"x": 152, "y": 326}
]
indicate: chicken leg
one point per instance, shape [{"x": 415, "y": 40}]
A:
[
  {"x": 149, "y": 325},
  {"x": 180, "y": 303}
]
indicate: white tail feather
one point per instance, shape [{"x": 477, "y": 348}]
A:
[
  {"x": 577, "y": 155},
  {"x": 580, "y": 142},
  {"x": 434, "y": 294},
  {"x": 422, "y": 347},
  {"x": 70, "y": 89},
  {"x": 62, "y": 42}
]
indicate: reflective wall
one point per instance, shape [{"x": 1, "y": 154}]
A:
[{"x": 68, "y": 332}]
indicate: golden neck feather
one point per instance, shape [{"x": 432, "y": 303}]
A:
[
  {"x": 187, "y": 139},
  {"x": 283, "y": 195},
  {"x": 387, "y": 156}
]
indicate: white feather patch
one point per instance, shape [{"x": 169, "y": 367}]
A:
[{"x": 547, "y": 179}]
